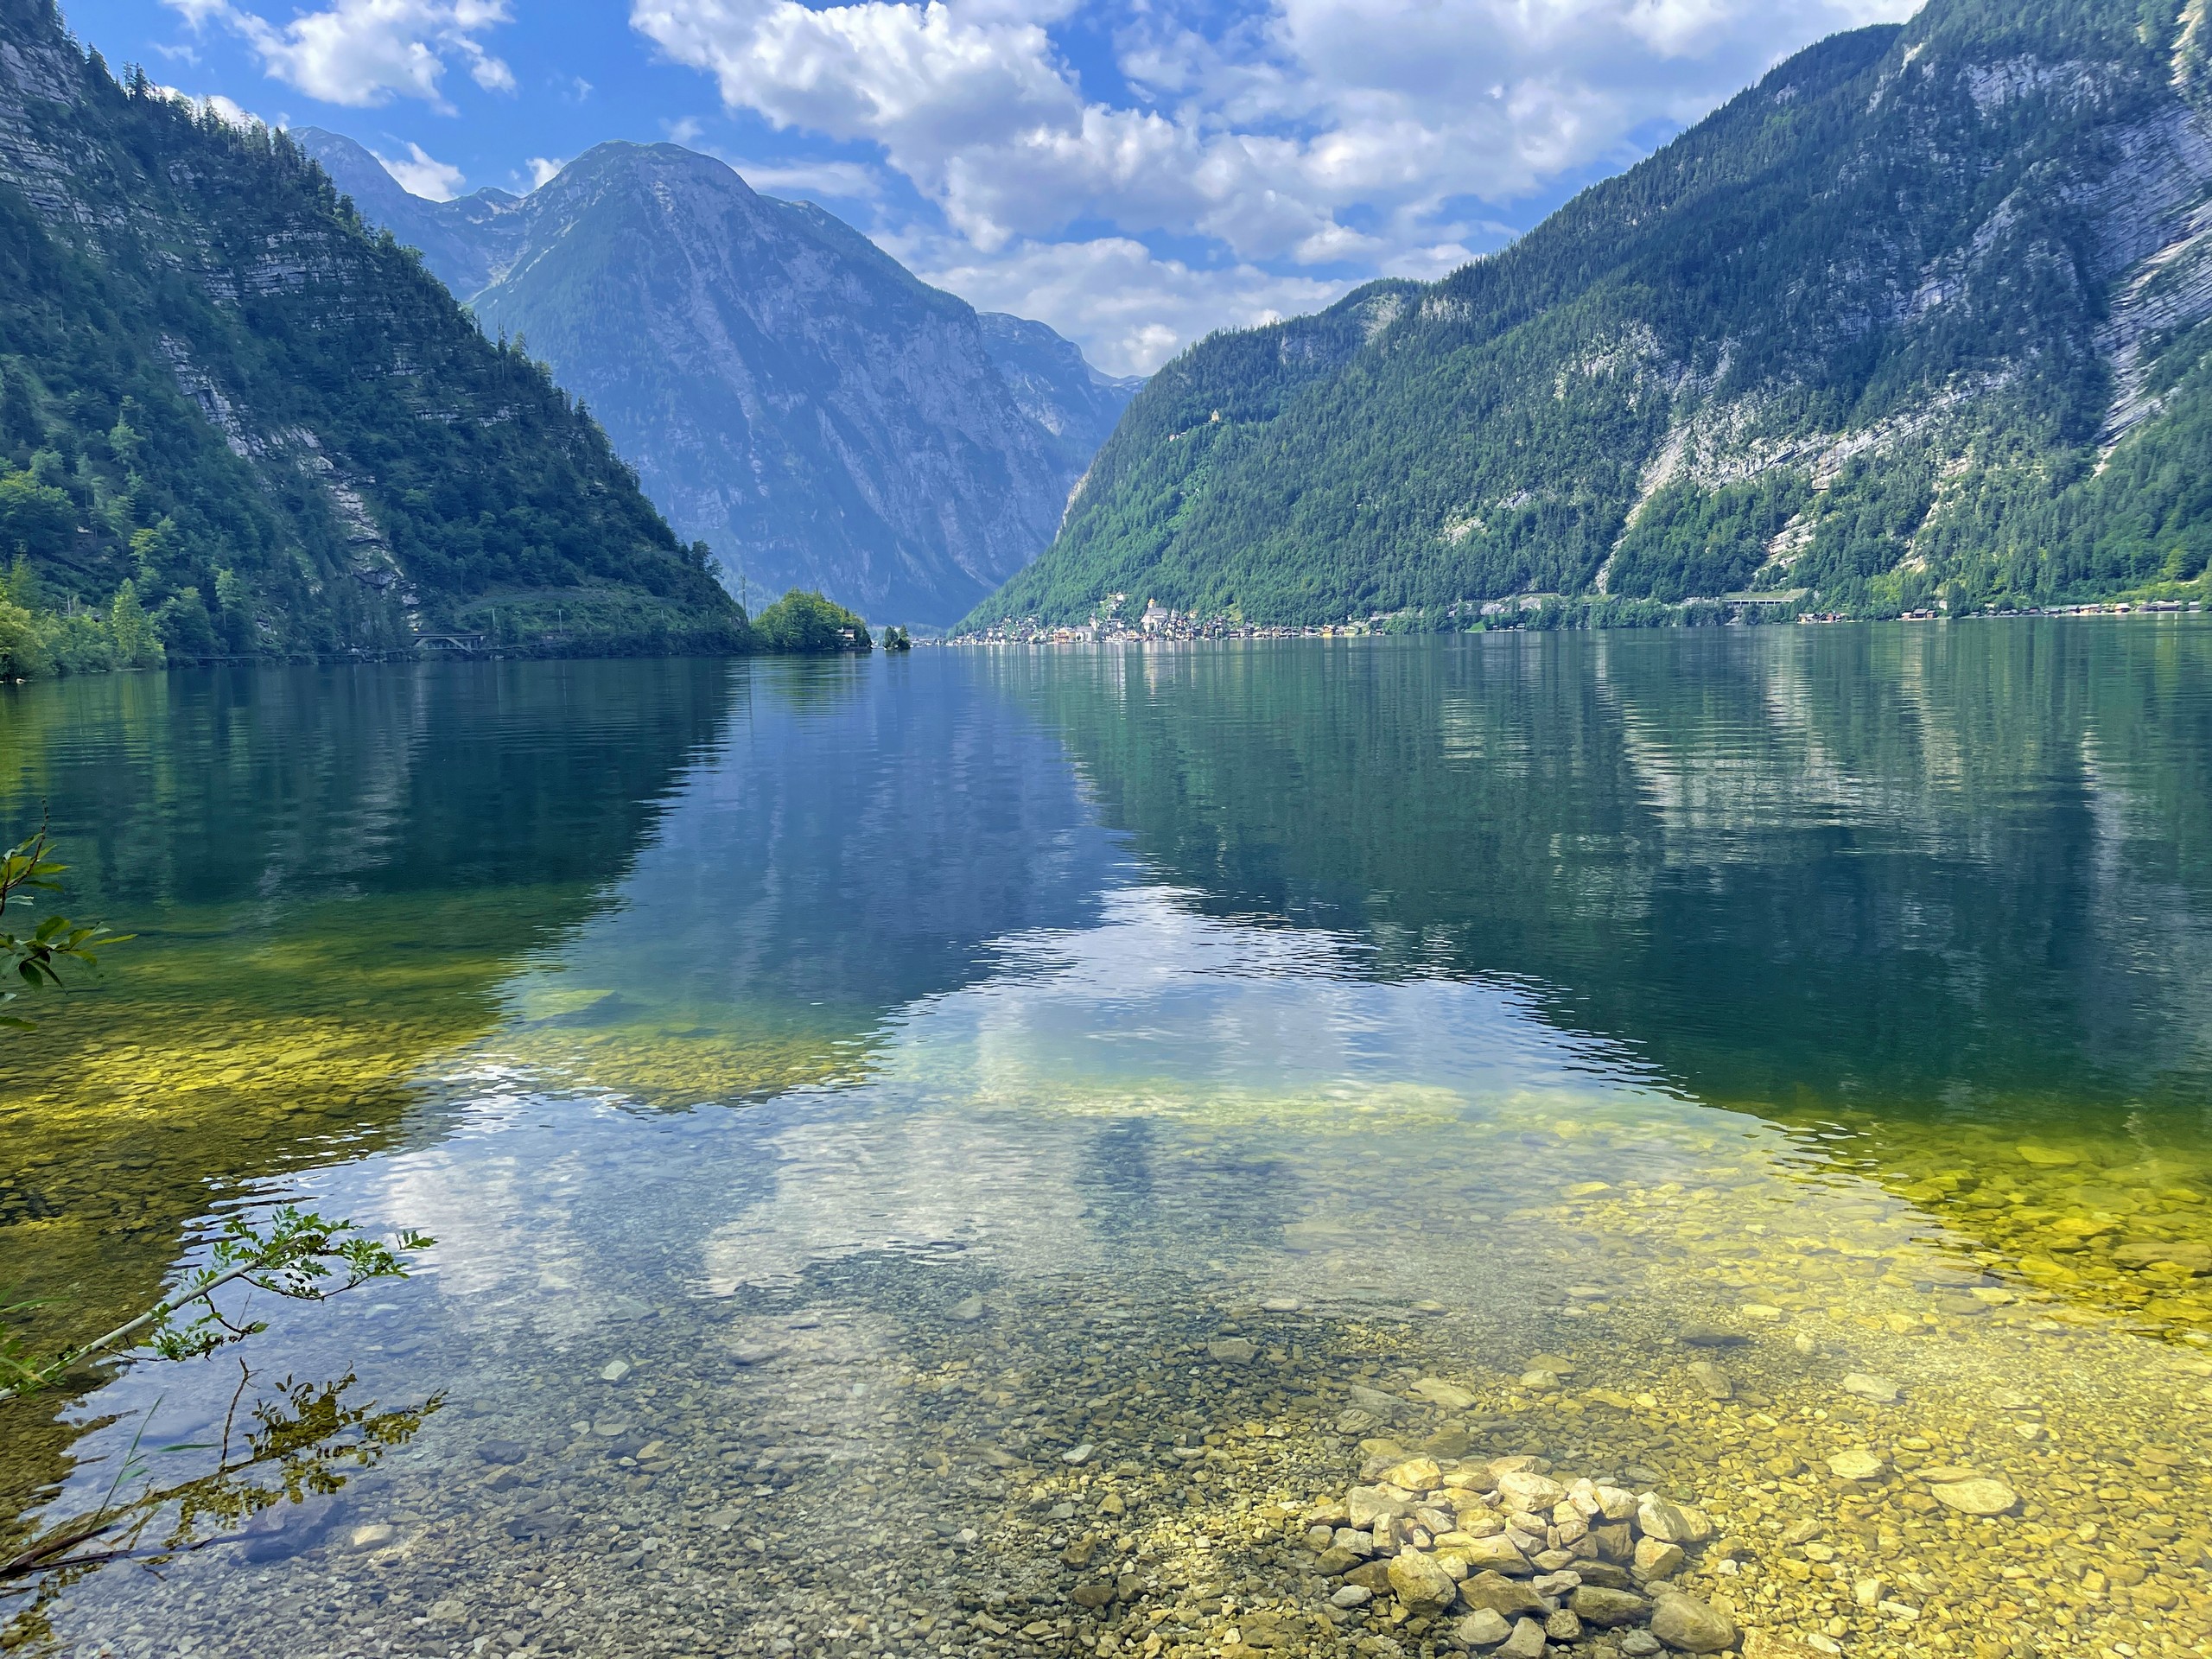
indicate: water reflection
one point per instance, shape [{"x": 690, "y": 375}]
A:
[
  {"x": 266, "y": 1484},
  {"x": 1937, "y": 888},
  {"x": 1903, "y": 870},
  {"x": 858, "y": 841},
  {"x": 1103, "y": 1101},
  {"x": 862, "y": 1356},
  {"x": 330, "y": 872}
]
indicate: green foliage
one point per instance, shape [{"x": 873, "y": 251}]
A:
[
  {"x": 36, "y": 958},
  {"x": 24, "y": 654},
  {"x": 35, "y": 518},
  {"x": 1689, "y": 541},
  {"x": 305, "y": 1443},
  {"x": 185, "y": 629},
  {"x": 137, "y": 643},
  {"x": 805, "y": 624},
  {"x": 285, "y": 458},
  {"x": 297, "y": 1254},
  {"x": 80, "y": 642},
  {"x": 895, "y": 637},
  {"x": 234, "y": 603},
  {"x": 1862, "y": 301}
]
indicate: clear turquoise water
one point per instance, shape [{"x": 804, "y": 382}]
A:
[{"x": 1471, "y": 999}]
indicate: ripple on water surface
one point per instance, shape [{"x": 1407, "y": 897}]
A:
[{"x": 1050, "y": 1285}]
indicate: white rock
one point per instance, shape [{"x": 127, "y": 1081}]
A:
[
  {"x": 614, "y": 1371},
  {"x": 1669, "y": 1523},
  {"x": 1450, "y": 1395},
  {"x": 1858, "y": 1464},
  {"x": 1978, "y": 1495},
  {"x": 1368, "y": 1504},
  {"x": 1422, "y": 1585},
  {"x": 1497, "y": 1555},
  {"x": 1880, "y": 1389},
  {"x": 1383, "y": 1407},
  {"x": 1691, "y": 1626},
  {"x": 1484, "y": 1627},
  {"x": 1530, "y": 1490},
  {"x": 1414, "y": 1475}
]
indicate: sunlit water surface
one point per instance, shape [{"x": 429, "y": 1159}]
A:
[{"x": 855, "y": 1104}]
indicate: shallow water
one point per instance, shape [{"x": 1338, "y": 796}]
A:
[{"x": 868, "y": 1112}]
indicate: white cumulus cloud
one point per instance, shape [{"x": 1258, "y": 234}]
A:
[
  {"x": 543, "y": 169},
  {"x": 1130, "y": 308},
  {"x": 227, "y": 111},
  {"x": 421, "y": 174},
  {"x": 838, "y": 180},
  {"x": 363, "y": 53},
  {"x": 1347, "y": 138}
]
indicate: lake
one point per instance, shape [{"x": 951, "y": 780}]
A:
[{"x": 982, "y": 1152}]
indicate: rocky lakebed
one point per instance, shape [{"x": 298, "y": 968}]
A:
[{"x": 861, "y": 1464}]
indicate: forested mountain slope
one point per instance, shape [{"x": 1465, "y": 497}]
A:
[
  {"x": 787, "y": 391},
  {"x": 235, "y": 422},
  {"x": 1922, "y": 317}
]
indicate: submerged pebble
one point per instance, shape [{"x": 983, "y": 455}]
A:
[{"x": 1144, "y": 1464}]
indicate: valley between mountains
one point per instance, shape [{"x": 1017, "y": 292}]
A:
[{"x": 786, "y": 391}]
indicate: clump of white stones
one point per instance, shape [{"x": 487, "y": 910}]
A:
[{"x": 1506, "y": 1557}]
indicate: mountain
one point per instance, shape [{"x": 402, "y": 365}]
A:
[
  {"x": 233, "y": 422},
  {"x": 1055, "y": 387},
  {"x": 1920, "y": 318},
  {"x": 462, "y": 242},
  {"x": 786, "y": 391}
]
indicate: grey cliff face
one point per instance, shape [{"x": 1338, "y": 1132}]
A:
[
  {"x": 462, "y": 242},
  {"x": 787, "y": 392},
  {"x": 1055, "y": 387}
]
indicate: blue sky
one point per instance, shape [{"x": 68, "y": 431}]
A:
[{"x": 1135, "y": 174}]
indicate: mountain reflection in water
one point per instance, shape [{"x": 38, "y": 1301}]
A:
[{"x": 843, "y": 1092}]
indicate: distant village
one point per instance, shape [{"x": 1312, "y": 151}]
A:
[
  {"x": 1160, "y": 623},
  {"x": 1111, "y": 623},
  {"x": 1157, "y": 622}
]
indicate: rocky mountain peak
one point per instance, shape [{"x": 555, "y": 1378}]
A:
[{"x": 787, "y": 391}]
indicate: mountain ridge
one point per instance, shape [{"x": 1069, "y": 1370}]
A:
[
  {"x": 786, "y": 391},
  {"x": 1913, "y": 322},
  {"x": 235, "y": 422}
]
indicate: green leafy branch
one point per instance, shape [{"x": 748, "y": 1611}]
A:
[
  {"x": 297, "y": 1255},
  {"x": 305, "y": 1445},
  {"x": 36, "y": 958}
]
